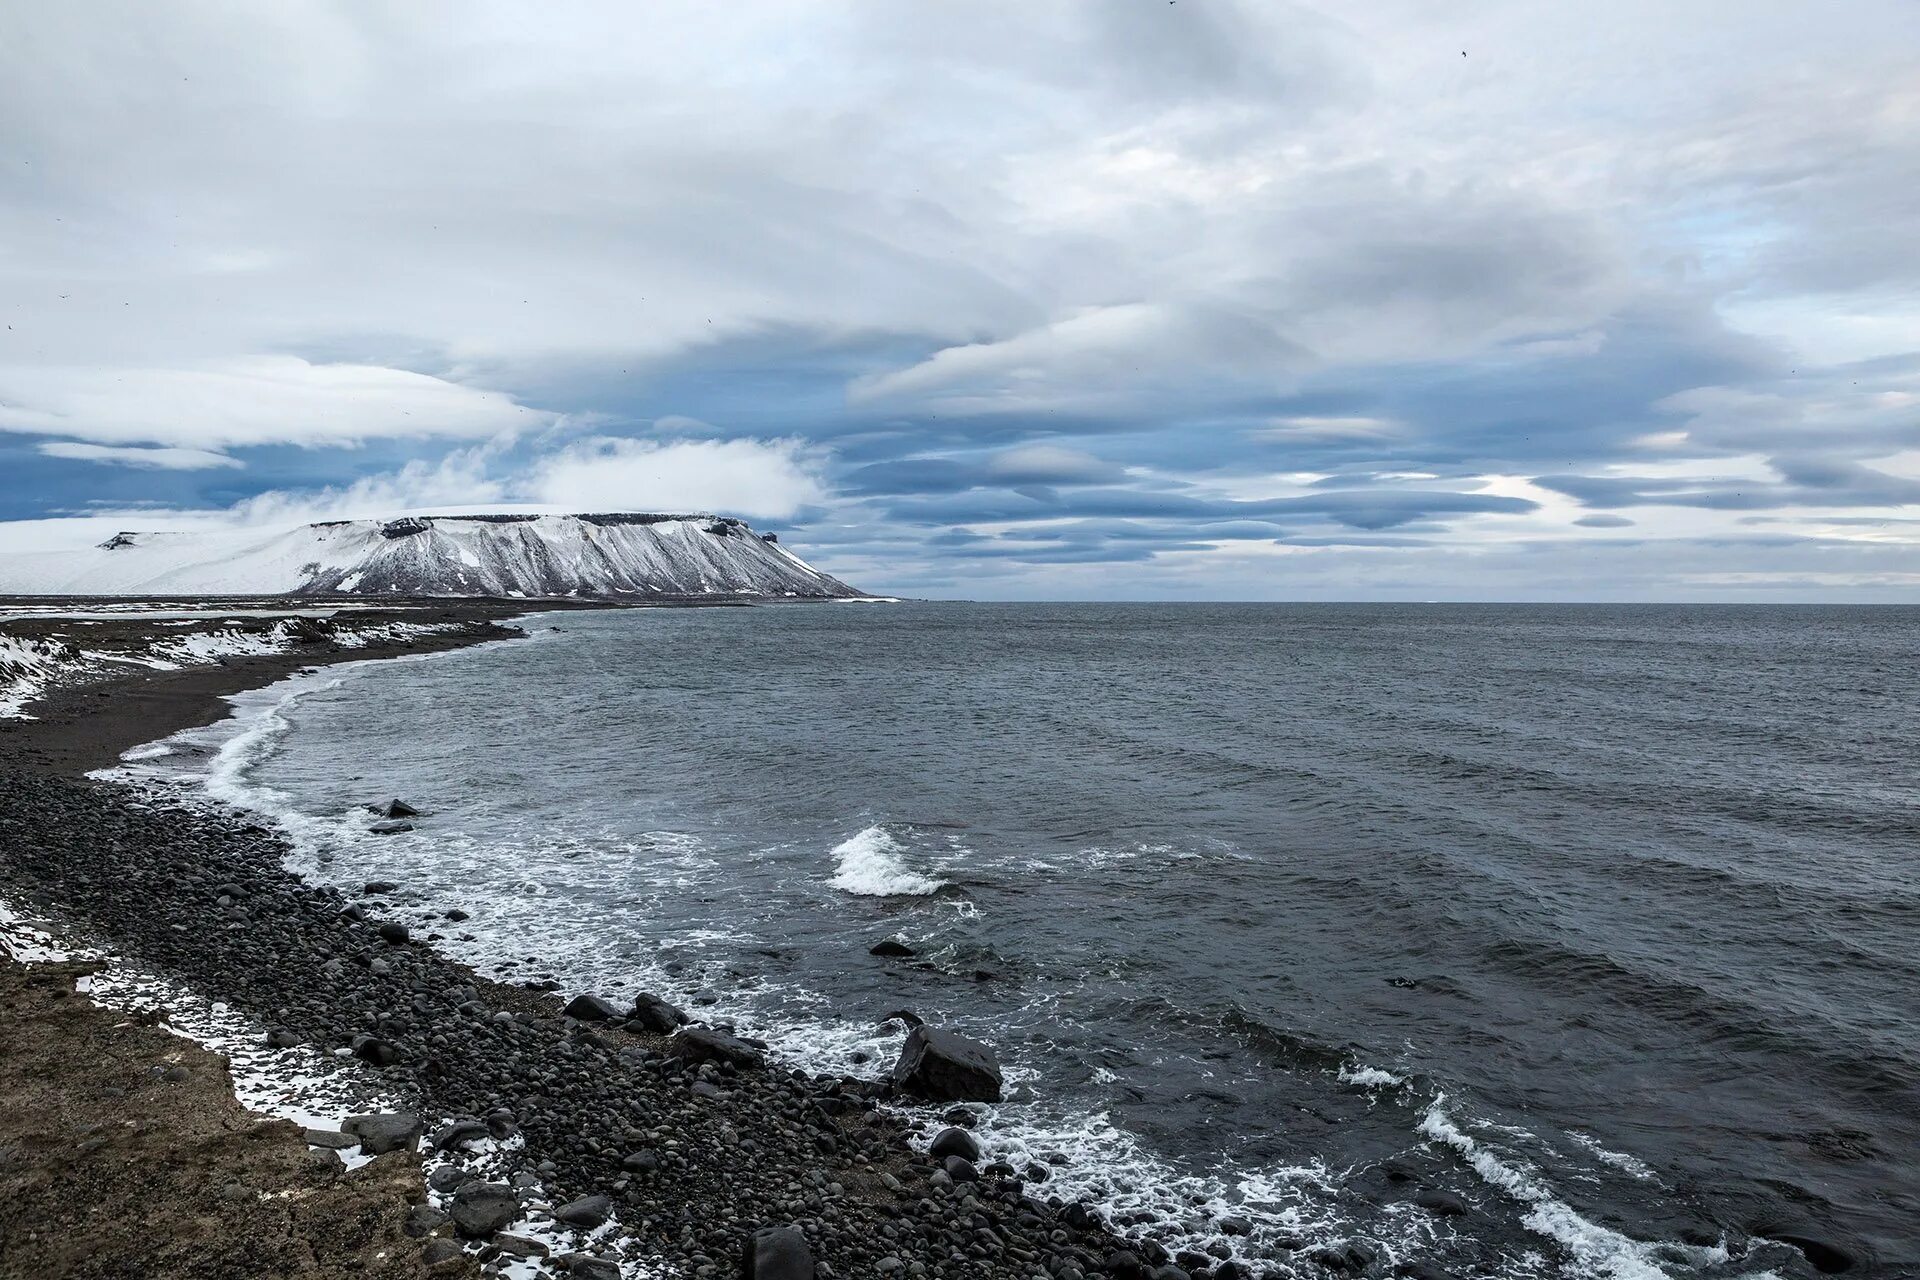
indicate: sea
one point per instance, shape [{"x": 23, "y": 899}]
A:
[{"x": 1464, "y": 940}]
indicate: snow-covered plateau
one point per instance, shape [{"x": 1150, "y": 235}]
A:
[{"x": 613, "y": 556}]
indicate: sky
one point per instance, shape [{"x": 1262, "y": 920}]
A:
[{"x": 1483, "y": 300}]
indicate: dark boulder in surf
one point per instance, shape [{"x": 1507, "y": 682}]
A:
[
  {"x": 945, "y": 1066},
  {"x": 1444, "y": 1203},
  {"x": 892, "y": 948},
  {"x": 656, "y": 1015},
  {"x": 954, "y": 1142}
]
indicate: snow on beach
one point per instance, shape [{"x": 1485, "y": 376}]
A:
[
  {"x": 314, "y": 1089},
  {"x": 33, "y": 666}
]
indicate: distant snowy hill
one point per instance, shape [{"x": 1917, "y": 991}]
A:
[{"x": 581, "y": 556}]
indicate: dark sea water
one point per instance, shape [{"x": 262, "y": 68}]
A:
[{"x": 1604, "y": 920}]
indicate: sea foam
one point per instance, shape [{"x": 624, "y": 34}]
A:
[{"x": 870, "y": 864}]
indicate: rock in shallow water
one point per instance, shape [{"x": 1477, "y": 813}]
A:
[
  {"x": 954, "y": 1142},
  {"x": 945, "y": 1066},
  {"x": 656, "y": 1015}
]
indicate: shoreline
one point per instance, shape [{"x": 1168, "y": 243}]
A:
[
  {"x": 89, "y": 722},
  {"x": 696, "y": 1142}
]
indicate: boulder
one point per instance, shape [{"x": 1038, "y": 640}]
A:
[
  {"x": 446, "y": 1177},
  {"x": 1444, "y": 1203},
  {"x": 373, "y": 887},
  {"x": 458, "y": 1134},
  {"x": 708, "y": 1044},
  {"x": 778, "y": 1253},
  {"x": 331, "y": 1139},
  {"x": 394, "y": 932},
  {"x": 375, "y": 1050},
  {"x": 892, "y": 948},
  {"x": 944, "y": 1066},
  {"x": 954, "y": 1142},
  {"x": 656, "y": 1015},
  {"x": 584, "y": 1266},
  {"x": 960, "y": 1169},
  {"x": 482, "y": 1208},
  {"x": 387, "y": 1131},
  {"x": 395, "y": 808},
  {"x": 592, "y": 1009},
  {"x": 389, "y": 827},
  {"x": 587, "y": 1211}
]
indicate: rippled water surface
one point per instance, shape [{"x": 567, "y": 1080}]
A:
[{"x": 1598, "y": 923}]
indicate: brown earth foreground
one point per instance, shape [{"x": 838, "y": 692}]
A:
[{"x": 124, "y": 1154}]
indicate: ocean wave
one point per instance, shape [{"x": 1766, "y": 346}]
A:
[
  {"x": 1595, "y": 1249},
  {"x": 1369, "y": 1077},
  {"x": 870, "y": 865}
]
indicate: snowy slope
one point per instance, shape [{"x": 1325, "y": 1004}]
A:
[{"x": 583, "y": 556}]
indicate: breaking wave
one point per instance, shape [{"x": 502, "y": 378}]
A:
[{"x": 870, "y": 865}]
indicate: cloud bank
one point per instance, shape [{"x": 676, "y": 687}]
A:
[{"x": 1217, "y": 299}]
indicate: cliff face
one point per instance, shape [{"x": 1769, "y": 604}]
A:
[{"x": 612, "y": 556}]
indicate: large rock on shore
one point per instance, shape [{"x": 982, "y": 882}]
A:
[
  {"x": 590, "y": 1008},
  {"x": 656, "y": 1015},
  {"x": 388, "y": 1131},
  {"x": 707, "y": 1044},
  {"x": 945, "y": 1066},
  {"x": 778, "y": 1253},
  {"x": 482, "y": 1208},
  {"x": 954, "y": 1142}
]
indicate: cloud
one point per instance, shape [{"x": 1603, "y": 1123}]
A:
[
  {"x": 919, "y": 278},
  {"x": 1803, "y": 481},
  {"x": 1029, "y": 466},
  {"x": 249, "y": 400},
  {"x": 753, "y": 478},
  {"x": 160, "y": 459}
]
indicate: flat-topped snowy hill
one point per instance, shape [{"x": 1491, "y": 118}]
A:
[{"x": 609, "y": 556}]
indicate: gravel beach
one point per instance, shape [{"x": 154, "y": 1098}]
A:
[{"x": 711, "y": 1157}]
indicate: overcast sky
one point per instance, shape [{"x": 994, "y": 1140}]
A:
[{"x": 1474, "y": 300}]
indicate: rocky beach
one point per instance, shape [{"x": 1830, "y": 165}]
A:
[{"x": 519, "y": 1129}]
